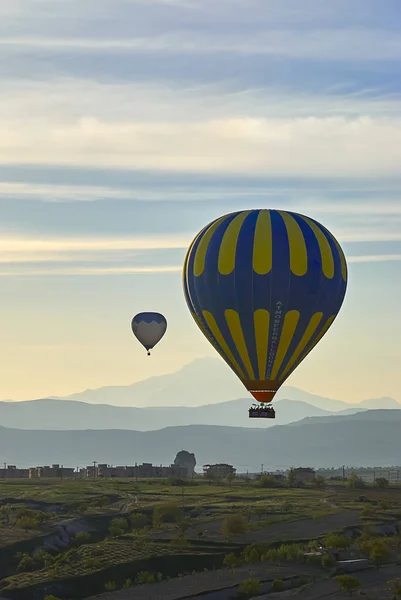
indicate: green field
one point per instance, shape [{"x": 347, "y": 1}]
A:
[{"x": 78, "y": 538}]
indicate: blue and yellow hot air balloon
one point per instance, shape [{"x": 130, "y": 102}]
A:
[
  {"x": 264, "y": 286},
  {"x": 149, "y": 328}
]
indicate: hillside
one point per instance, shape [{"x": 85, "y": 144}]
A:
[
  {"x": 362, "y": 439},
  {"x": 72, "y": 414}
]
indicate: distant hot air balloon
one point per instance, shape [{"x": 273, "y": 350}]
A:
[
  {"x": 149, "y": 328},
  {"x": 264, "y": 286}
]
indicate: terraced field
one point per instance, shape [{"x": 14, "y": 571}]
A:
[{"x": 78, "y": 539}]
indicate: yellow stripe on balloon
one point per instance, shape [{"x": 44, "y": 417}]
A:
[
  {"x": 290, "y": 324},
  {"x": 224, "y": 349},
  {"x": 234, "y": 325},
  {"x": 262, "y": 244},
  {"x": 325, "y": 249},
  {"x": 309, "y": 332},
  {"x": 200, "y": 256},
  {"x": 261, "y": 319},
  {"x": 341, "y": 253},
  {"x": 296, "y": 242},
  {"x": 228, "y": 247}
]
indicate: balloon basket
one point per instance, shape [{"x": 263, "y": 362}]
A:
[{"x": 262, "y": 412}]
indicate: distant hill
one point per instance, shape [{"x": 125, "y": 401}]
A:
[
  {"x": 362, "y": 439},
  {"x": 72, "y": 414},
  {"x": 204, "y": 381}
]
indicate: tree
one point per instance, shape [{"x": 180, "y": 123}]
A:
[
  {"x": 187, "y": 460},
  {"x": 267, "y": 481},
  {"x": 380, "y": 552},
  {"x": 139, "y": 521},
  {"x": 291, "y": 478},
  {"x": 382, "y": 483},
  {"x": 336, "y": 540},
  {"x": 318, "y": 481},
  {"x": 348, "y": 584},
  {"x": 233, "y": 525},
  {"x": 355, "y": 482},
  {"x": 169, "y": 512},
  {"x": 230, "y": 478},
  {"x": 118, "y": 526},
  {"x": 250, "y": 587}
]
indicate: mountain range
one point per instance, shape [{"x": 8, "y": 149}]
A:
[
  {"x": 157, "y": 403},
  {"x": 363, "y": 439},
  {"x": 204, "y": 381}
]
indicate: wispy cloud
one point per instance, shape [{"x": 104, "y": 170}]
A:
[
  {"x": 13, "y": 245},
  {"x": 318, "y": 44},
  {"x": 371, "y": 258},
  {"x": 151, "y": 270},
  {"x": 317, "y": 147},
  {"x": 23, "y": 257},
  {"x": 72, "y": 271}
]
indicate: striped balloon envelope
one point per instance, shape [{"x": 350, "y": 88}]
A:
[
  {"x": 264, "y": 286},
  {"x": 149, "y": 328}
]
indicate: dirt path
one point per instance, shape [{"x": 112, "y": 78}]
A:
[
  {"x": 373, "y": 587},
  {"x": 293, "y": 530},
  {"x": 299, "y": 530},
  {"x": 192, "y": 585}
]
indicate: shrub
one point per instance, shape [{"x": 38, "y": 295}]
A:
[
  {"x": 286, "y": 552},
  {"x": 267, "y": 481},
  {"x": 110, "y": 586},
  {"x": 233, "y": 525},
  {"x": 145, "y": 577},
  {"x": 179, "y": 542},
  {"x": 91, "y": 563},
  {"x": 250, "y": 587},
  {"x": 231, "y": 560},
  {"x": 348, "y": 584},
  {"x": 27, "y": 523},
  {"x": 127, "y": 584},
  {"x": 336, "y": 540},
  {"x": 170, "y": 512},
  {"x": 178, "y": 482},
  {"x": 83, "y": 537},
  {"x": 139, "y": 521},
  {"x": 251, "y": 554},
  {"x": 382, "y": 483},
  {"x": 355, "y": 482},
  {"x": 26, "y": 563}
]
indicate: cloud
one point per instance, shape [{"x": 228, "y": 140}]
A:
[
  {"x": 20, "y": 257},
  {"x": 72, "y": 271},
  {"x": 360, "y": 199},
  {"x": 316, "y": 147},
  {"x": 318, "y": 44},
  {"x": 150, "y": 270},
  {"x": 371, "y": 258},
  {"x": 13, "y": 245}
]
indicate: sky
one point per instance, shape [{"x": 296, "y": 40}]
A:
[{"x": 128, "y": 125}]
